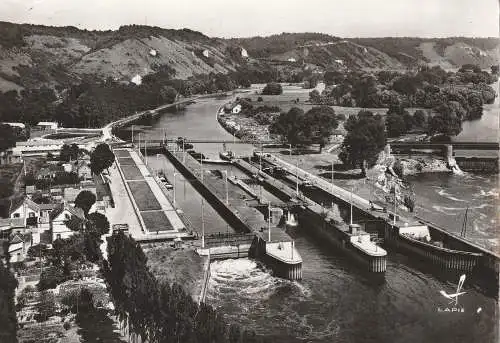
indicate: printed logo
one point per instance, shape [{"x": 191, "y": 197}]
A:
[{"x": 453, "y": 297}]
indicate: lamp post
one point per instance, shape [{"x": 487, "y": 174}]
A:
[
  {"x": 332, "y": 175},
  {"x": 132, "y": 134},
  {"x": 297, "y": 178},
  {"x": 157, "y": 164},
  {"x": 269, "y": 221},
  {"x": 395, "y": 206},
  {"x": 227, "y": 193},
  {"x": 352, "y": 190},
  {"x": 183, "y": 151},
  {"x": 260, "y": 158},
  {"x": 175, "y": 174},
  {"x": 201, "y": 167},
  {"x": 202, "y": 224}
]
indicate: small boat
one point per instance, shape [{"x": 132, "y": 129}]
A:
[
  {"x": 226, "y": 155},
  {"x": 164, "y": 180},
  {"x": 181, "y": 142}
]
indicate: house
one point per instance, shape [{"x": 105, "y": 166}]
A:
[
  {"x": 31, "y": 213},
  {"x": 18, "y": 247},
  {"x": 70, "y": 193},
  {"x": 47, "y": 125},
  {"x": 25, "y": 209},
  {"x": 58, "y": 219},
  {"x": 30, "y": 190},
  {"x": 10, "y": 225},
  {"x": 84, "y": 171},
  {"x": 67, "y": 167}
]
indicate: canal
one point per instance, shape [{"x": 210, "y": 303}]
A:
[{"x": 335, "y": 301}]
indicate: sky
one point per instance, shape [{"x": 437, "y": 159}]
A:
[{"x": 224, "y": 18}]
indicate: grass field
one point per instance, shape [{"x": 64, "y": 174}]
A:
[
  {"x": 156, "y": 221},
  {"x": 131, "y": 172},
  {"x": 182, "y": 266},
  {"x": 287, "y": 100},
  {"x": 143, "y": 196},
  {"x": 126, "y": 161},
  {"x": 122, "y": 153}
]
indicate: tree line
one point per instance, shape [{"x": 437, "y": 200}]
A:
[{"x": 161, "y": 312}]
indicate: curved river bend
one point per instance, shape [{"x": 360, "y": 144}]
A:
[{"x": 334, "y": 302}]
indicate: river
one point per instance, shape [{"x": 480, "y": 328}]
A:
[{"x": 334, "y": 302}]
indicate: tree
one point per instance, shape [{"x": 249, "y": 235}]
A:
[
  {"x": 101, "y": 158},
  {"x": 8, "y": 284},
  {"x": 168, "y": 94},
  {"x": 7, "y": 137},
  {"x": 494, "y": 69},
  {"x": 365, "y": 91},
  {"x": 65, "y": 154},
  {"x": 364, "y": 140},
  {"x": 84, "y": 200},
  {"x": 98, "y": 223},
  {"x": 319, "y": 124},
  {"x": 395, "y": 125},
  {"x": 445, "y": 121},
  {"x": 272, "y": 88},
  {"x": 6, "y": 188},
  {"x": 74, "y": 224},
  {"x": 315, "y": 96},
  {"x": 469, "y": 68},
  {"x": 300, "y": 128},
  {"x": 46, "y": 306},
  {"x": 408, "y": 120},
  {"x": 39, "y": 250},
  {"x": 420, "y": 118}
]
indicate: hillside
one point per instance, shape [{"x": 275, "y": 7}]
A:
[
  {"x": 32, "y": 56},
  {"x": 377, "y": 53}
]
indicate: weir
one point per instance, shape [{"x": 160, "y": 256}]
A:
[{"x": 273, "y": 246}]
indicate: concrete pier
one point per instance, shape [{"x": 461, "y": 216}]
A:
[
  {"x": 238, "y": 214},
  {"x": 152, "y": 217},
  {"x": 356, "y": 243}
]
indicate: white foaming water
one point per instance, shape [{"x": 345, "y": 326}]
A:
[
  {"x": 242, "y": 276},
  {"x": 447, "y": 195},
  {"x": 491, "y": 193}
]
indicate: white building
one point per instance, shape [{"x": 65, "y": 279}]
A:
[
  {"x": 59, "y": 216},
  {"x": 47, "y": 125},
  {"x": 18, "y": 125},
  {"x": 33, "y": 214}
]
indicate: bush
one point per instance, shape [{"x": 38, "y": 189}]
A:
[
  {"x": 272, "y": 88},
  {"x": 341, "y": 116},
  {"x": 259, "y": 99},
  {"x": 46, "y": 306},
  {"x": 66, "y": 326},
  {"x": 51, "y": 277}
]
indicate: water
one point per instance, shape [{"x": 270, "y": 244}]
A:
[
  {"x": 485, "y": 129},
  {"x": 443, "y": 199},
  {"x": 335, "y": 302}
]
